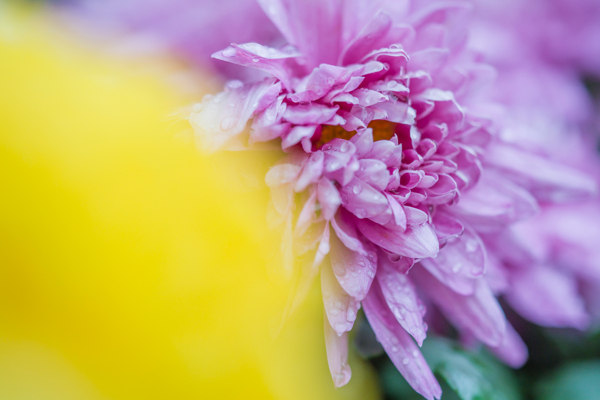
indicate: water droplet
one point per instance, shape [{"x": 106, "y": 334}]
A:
[
  {"x": 339, "y": 269},
  {"x": 351, "y": 315},
  {"x": 405, "y": 361},
  {"x": 229, "y": 122},
  {"x": 229, "y": 52},
  {"x": 255, "y": 60},
  {"x": 357, "y": 189},
  {"x": 471, "y": 245}
]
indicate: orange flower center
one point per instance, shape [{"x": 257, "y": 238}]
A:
[{"x": 382, "y": 130}]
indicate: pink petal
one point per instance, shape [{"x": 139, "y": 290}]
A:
[
  {"x": 547, "y": 297},
  {"x": 478, "y": 313},
  {"x": 400, "y": 347},
  {"x": 296, "y": 134},
  {"x": 340, "y": 307},
  {"x": 311, "y": 171},
  {"x": 374, "y": 172},
  {"x": 221, "y": 118},
  {"x": 401, "y": 298},
  {"x": 417, "y": 241},
  {"x": 257, "y": 56},
  {"x": 309, "y": 114},
  {"x": 354, "y": 271},
  {"x": 513, "y": 351},
  {"x": 363, "y": 141},
  {"x": 366, "y": 40},
  {"x": 329, "y": 198},
  {"x": 337, "y": 356},
  {"x": 362, "y": 199},
  {"x": 311, "y": 25},
  {"x": 547, "y": 180},
  {"x": 346, "y": 232},
  {"x": 459, "y": 263}
]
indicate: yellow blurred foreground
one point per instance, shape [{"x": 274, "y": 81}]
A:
[{"x": 128, "y": 270}]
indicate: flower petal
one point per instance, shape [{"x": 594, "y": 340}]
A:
[
  {"x": 401, "y": 298},
  {"x": 478, "y": 313},
  {"x": 547, "y": 297},
  {"x": 340, "y": 307},
  {"x": 418, "y": 241},
  {"x": 354, "y": 271},
  {"x": 337, "y": 355},
  {"x": 399, "y": 346}
]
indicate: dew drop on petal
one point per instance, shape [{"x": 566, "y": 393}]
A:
[
  {"x": 229, "y": 123},
  {"x": 229, "y": 52}
]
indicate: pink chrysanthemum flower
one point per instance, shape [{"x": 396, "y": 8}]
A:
[{"x": 380, "y": 110}]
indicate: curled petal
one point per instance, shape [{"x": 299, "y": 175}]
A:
[{"x": 261, "y": 57}]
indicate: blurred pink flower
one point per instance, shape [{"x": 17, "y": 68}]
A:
[{"x": 559, "y": 32}]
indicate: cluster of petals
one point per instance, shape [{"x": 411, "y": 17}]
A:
[
  {"x": 396, "y": 184},
  {"x": 410, "y": 179}
]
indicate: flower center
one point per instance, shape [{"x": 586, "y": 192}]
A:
[{"x": 382, "y": 130}]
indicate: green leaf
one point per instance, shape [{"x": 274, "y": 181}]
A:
[
  {"x": 471, "y": 376},
  {"x": 574, "y": 381}
]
